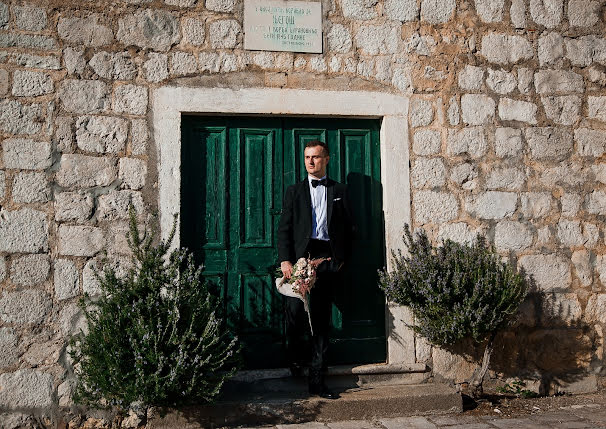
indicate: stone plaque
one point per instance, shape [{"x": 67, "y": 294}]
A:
[{"x": 294, "y": 26}]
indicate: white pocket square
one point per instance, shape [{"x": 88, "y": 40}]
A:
[{"x": 337, "y": 199}]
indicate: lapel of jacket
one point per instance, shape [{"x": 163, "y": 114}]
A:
[
  {"x": 330, "y": 188},
  {"x": 307, "y": 200}
]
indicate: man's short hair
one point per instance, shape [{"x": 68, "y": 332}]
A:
[{"x": 314, "y": 143}]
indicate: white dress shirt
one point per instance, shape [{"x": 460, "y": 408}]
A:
[{"x": 319, "y": 228}]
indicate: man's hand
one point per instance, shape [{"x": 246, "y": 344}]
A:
[{"x": 286, "y": 268}]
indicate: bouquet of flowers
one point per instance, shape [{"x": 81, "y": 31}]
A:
[{"x": 301, "y": 281}]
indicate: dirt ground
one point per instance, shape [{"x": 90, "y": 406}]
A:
[{"x": 511, "y": 406}]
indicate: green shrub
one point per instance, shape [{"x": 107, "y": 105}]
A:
[
  {"x": 455, "y": 291},
  {"x": 154, "y": 337}
]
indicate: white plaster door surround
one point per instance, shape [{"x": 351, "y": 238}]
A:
[{"x": 169, "y": 103}]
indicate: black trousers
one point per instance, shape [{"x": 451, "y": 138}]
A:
[{"x": 321, "y": 298}]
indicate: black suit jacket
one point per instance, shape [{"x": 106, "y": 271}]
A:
[{"x": 294, "y": 231}]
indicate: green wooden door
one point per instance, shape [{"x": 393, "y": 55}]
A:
[{"x": 234, "y": 173}]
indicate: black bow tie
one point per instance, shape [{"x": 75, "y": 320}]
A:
[{"x": 315, "y": 182}]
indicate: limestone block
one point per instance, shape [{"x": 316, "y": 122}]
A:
[
  {"x": 73, "y": 206},
  {"x": 8, "y": 347},
  {"x": 26, "y": 154},
  {"x": 464, "y": 175},
  {"x": 421, "y": 113},
  {"x": 65, "y": 279},
  {"x": 510, "y": 235},
  {"x": 30, "y": 18},
  {"x": 596, "y": 202},
  {"x": 49, "y": 62},
  {"x": 402, "y": 80},
  {"x": 65, "y": 392},
  {"x": 23, "y": 230},
  {"x": 554, "y": 81},
  {"x": 339, "y": 39},
  {"x": 359, "y": 9},
  {"x": 597, "y": 107},
  {"x": 471, "y": 77},
  {"x": 130, "y": 99},
  {"x": 569, "y": 232},
  {"x": 30, "y": 270},
  {"x": 318, "y": 64},
  {"x": 492, "y": 204},
  {"x": 334, "y": 65},
  {"x": 591, "y": 234},
  {"x": 435, "y": 207},
  {"x": 28, "y": 83},
  {"x": 3, "y": 82},
  {"x": 500, "y": 81},
  {"x": 601, "y": 271},
  {"x": 4, "y": 15},
  {"x": 85, "y": 31},
  {"x": 139, "y": 136},
  {"x": 560, "y": 308},
  {"x": 114, "y": 65},
  {"x": 567, "y": 174},
  {"x": 428, "y": 173},
  {"x": 2, "y": 268},
  {"x": 516, "y": 110},
  {"x": 132, "y": 171},
  {"x": 225, "y": 34},
  {"x": 193, "y": 31},
  {"x": 570, "y": 204},
  {"x": 459, "y": 232},
  {"x": 469, "y": 140},
  {"x": 535, "y": 205},
  {"x": 562, "y": 109},
  {"x": 220, "y": 5},
  {"x": 148, "y": 28},
  {"x": 550, "y": 272},
  {"x": 517, "y": 12},
  {"x": 82, "y": 171},
  {"x": 182, "y": 64},
  {"x": 19, "y": 118},
  {"x": 84, "y": 96},
  {"x": 583, "y": 13},
  {"x": 421, "y": 45},
  {"x": 477, "y": 109},
  {"x": 115, "y": 205},
  {"x": 21, "y": 307},
  {"x": 27, "y": 41},
  {"x": 80, "y": 240},
  {"x": 426, "y": 142},
  {"x": 401, "y": 10},
  {"x": 582, "y": 266},
  {"x": 90, "y": 282},
  {"x": 71, "y": 320},
  {"x": 546, "y": 12},
  {"x": 74, "y": 60},
  {"x": 451, "y": 366},
  {"x": 551, "y": 48},
  {"x": 377, "y": 39},
  {"x": 31, "y": 187},
  {"x": 508, "y": 142},
  {"x": 525, "y": 79},
  {"x": 453, "y": 112},
  {"x": 490, "y": 10},
  {"x": 506, "y": 49},
  {"x": 437, "y": 11},
  {"x": 508, "y": 178},
  {"x": 549, "y": 143},
  {"x": 101, "y": 134},
  {"x": 156, "y": 67},
  {"x": 366, "y": 68},
  {"x": 584, "y": 50},
  {"x": 26, "y": 388}
]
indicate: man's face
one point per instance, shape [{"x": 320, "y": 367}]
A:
[{"x": 316, "y": 161}]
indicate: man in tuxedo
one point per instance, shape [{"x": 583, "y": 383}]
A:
[{"x": 315, "y": 223}]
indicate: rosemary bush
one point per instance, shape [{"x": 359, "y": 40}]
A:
[
  {"x": 455, "y": 291},
  {"x": 154, "y": 337}
]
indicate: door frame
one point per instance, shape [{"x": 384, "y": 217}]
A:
[{"x": 170, "y": 102}]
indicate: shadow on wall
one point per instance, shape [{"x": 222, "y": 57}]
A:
[{"x": 548, "y": 346}]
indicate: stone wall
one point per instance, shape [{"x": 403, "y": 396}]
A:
[{"x": 507, "y": 137}]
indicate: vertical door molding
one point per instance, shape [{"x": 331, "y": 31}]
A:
[{"x": 169, "y": 103}]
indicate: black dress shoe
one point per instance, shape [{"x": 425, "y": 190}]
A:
[{"x": 322, "y": 391}]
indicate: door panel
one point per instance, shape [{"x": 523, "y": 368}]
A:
[{"x": 234, "y": 174}]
